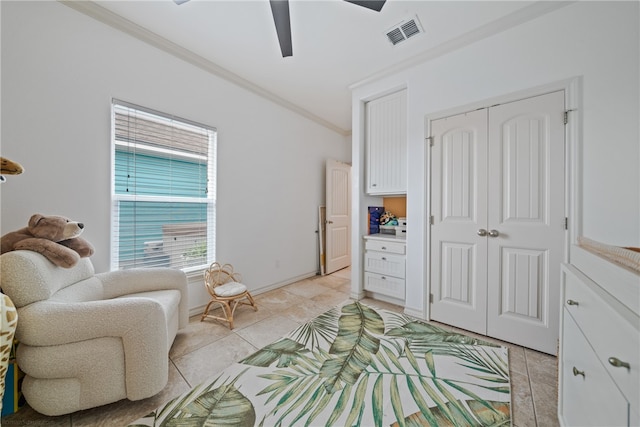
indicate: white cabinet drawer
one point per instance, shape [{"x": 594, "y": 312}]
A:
[
  {"x": 591, "y": 399},
  {"x": 611, "y": 334},
  {"x": 387, "y": 285},
  {"x": 382, "y": 246},
  {"x": 382, "y": 263}
]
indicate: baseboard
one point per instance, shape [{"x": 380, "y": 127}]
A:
[
  {"x": 357, "y": 295},
  {"x": 414, "y": 313},
  {"x": 385, "y": 298},
  {"x": 196, "y": 311},
  {"x": 274, "y": 286}
]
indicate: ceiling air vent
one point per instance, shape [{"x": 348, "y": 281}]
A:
[{"x": 404, "y": 30}]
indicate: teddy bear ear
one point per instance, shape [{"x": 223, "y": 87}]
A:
[{"x": 35, "y": 219}]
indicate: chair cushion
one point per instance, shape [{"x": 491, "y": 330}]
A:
[{"x": 230, "y": 289}]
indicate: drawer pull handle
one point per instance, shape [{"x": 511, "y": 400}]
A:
[
  {"x": 572, "y": 302},
  {"x": 614, "y": 361},
  {"x": 384, "y": 258},
  {"x": 384, "y": 248},
  {"x": 576, "y": 372},
  {"x": 383, "y": 278}
]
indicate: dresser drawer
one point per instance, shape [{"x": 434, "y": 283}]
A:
[
  {"x": 382, "y": 246},
  {"x": 386, "y": 285},
  {"x": 382, "y": 263},
  {"x": 611, "y": 329},
  {"x": 589, "y": 397}
]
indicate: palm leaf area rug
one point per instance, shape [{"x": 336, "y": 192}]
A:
[{"x": 354, "y": 365}]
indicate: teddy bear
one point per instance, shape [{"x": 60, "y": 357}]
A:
[
  {"x": 8, "y": 167},
  {"x": 55, "y": 237}
]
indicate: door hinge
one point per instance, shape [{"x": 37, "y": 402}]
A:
[
  {"x": 566, "y": 116},
  {"x": 566, "y": 223},
  {"x": 429, "y": 139},
  {"x": 430, "y": 298},
  {"x": 431, "y": 220}
]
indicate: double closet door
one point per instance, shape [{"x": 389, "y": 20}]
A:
[{"x": 498, "y": 232}]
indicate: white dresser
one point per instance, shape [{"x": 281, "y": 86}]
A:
[
  {"x": 599, "y": 368},
  {"x": 384, "y": 267}
]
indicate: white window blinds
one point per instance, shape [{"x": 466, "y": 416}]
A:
[{"x": 163, "y": 190}]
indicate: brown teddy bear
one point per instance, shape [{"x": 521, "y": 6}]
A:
[
  {"x": 55, "y": 237},
  {"x": 8, "y": 167}
]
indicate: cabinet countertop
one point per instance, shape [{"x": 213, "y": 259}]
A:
[{"x": 386, "y": 237}]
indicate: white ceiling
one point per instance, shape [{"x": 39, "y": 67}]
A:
[{"x": 336, "y": 44}]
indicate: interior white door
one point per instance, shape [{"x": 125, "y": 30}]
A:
[
  {"x": 459, "y": 209},
  {"x": 526, "y": 211},
  {"x": 498, "y": 235},
  {"x": 338, "y": 216}
]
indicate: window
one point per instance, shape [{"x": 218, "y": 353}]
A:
[{"x": 163, "y": 190}]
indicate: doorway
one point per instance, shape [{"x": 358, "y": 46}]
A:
[{"x": 498, "y": 220}]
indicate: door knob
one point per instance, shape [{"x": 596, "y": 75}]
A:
[
  {"x": 494, "y": 233},
  {"x": 482, "y": 232},
  {"x": 328, "y": 222},
  {"x": 614, "y": 361},
  {"x": 576, "y": 372}
]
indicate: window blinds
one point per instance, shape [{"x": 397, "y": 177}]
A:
[{"x": 163, "y": 190}]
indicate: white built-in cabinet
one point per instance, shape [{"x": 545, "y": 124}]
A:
[
  {"x": 386, "y": 144},
  {"x": 599, "y": 365},
  {"x": 385, "y": 267}
]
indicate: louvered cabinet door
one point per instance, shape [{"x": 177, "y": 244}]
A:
[{"x": 386, "y": 144}]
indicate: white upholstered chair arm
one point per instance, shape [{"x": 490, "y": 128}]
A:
[
  {"x": 134, "y": 320},
  {"x": 124, "y": 282},
  {"x": 48, "y": 323}
]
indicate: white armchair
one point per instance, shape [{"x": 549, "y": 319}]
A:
[{"x": 89, "y": 339}]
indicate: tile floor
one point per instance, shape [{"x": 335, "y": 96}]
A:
[{"x": 205, "y": 348}]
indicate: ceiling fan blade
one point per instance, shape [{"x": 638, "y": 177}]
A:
[
  {"x": 369, "y": 4},
  {"x": 280, "y": 10}
]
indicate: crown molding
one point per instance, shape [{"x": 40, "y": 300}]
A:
[{"x": 116, "y": 21}]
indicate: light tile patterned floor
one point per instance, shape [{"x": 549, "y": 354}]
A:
[{"x": 205, "y": 348}]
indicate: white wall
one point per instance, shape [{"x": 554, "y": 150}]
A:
[
  {"x": 60, "y": 70},
  {"x": 595, "y": 42}
]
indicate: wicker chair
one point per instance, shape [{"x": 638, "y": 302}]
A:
[{"x": 226, "y": 289}]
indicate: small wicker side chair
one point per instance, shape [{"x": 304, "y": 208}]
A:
[{"x": 226, "y": 289}]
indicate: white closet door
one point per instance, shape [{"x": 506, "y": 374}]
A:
[
  {"x": 526, "y": 207},
  {"x": 459, "y": 208},
  {"x": 497, "y": 239}
]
